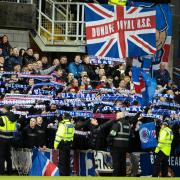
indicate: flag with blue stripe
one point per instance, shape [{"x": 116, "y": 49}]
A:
[{"x": 147, "y": 135}]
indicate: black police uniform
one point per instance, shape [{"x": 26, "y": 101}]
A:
[{"x": 119, "y": 135}]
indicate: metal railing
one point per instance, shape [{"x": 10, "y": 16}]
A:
[
  {"x": 18, "y": 1},
  {"x": 61, "y": 22}
]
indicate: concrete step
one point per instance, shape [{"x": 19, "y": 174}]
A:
[{"x": 59, "y": 45}]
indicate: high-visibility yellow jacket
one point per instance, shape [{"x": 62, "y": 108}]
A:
[
  {"x": 117, "y": 2},
  {"x": 7, "y": 131},
  {"x": 64, "y": 133},
  {"x": 164, "y": 141}
]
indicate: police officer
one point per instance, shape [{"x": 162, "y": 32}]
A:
[
  {"x": 117, "y": 2},
  {"x": 63, "y": 141},
  {"x": 120, "y": 135},
  {"x": 163, "y": 150},
  {"x": 7, "y": 130}
]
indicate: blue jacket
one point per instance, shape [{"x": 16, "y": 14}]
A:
[
  {"x": 76, "y": 69},
  {"x": 162, "y": 77},
  {"x": 12, "y": 61}
]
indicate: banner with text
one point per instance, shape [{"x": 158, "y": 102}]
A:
[{"x": 116, "y": 32}]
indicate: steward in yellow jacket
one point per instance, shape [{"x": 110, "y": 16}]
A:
[
  {"x": 163, "y": 150},
  {"x": 117, "y": 2},
  {"x": 63, "y": 141},
  {"x": 7, "y": 129}
]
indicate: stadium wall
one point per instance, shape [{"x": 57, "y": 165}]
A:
[{"x": 17, "y": 38}]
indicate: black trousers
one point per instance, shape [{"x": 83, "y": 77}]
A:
[
  {"x": 5, "y": 155},
  {"x": 161, "y": 164},
  {"x": 119, "y": 162},
  {"x": 64, "y": 159}
]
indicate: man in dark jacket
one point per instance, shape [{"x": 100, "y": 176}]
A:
[
  {"x": 120, "y": 135},
  {"x": 97, "y": 134},
  {"x": 162, "y": 75},
  {"x": 89, "y": 68},
  {"x": 41, "y": 132},
  {"x": 30, "y": 135},
  {"x": 13, "y": 59},
  {"x": 28, "y": 56}
]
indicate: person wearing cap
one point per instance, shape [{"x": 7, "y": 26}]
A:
[
  {"x": 63, "y": 141},
  {"x": 7, "y": 129},
  {"x": 120, "y": 136},
  {"x": 163, "y": 150}
]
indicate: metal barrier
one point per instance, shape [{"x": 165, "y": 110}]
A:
[
  {"x": 90, "y": 162},
  {"x": 18, "y": 1},
  {"x": 61, "y": 23},
  {"x": 22, "y": 160}
]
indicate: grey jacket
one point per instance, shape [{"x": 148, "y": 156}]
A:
[{"x": 46, "y": 71}]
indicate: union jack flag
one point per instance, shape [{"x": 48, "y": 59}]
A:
[
  {"x": 116, "y": 32},
  {"x": 42, "y": 166},
  {"x": 139, "y": 83}
]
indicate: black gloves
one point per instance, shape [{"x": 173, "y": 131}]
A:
[{"x": 1, "y": 122}]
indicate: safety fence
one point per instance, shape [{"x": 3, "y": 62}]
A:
[
  {"x": 18, "y": 1},
  {"x": 94, "y": 163},
  {"x": 61, "y": 22}
]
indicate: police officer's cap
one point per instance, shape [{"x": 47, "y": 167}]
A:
[
  {"x": 7, "y": 107},
  {"x": 165, "y": 123},
  {"x": 66, "y": 115}
]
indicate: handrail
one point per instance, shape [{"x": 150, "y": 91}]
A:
[
  {"x": 50, "y": 1},
  {"x": 58, "y": 21},
  {"x": 19, "y": 1},
  {"x": 175, "y": 73},
  {"x": 61, "y": 26},
  {"x": 82, "y": 28},
  {"x": 44, "y": 29},
  {"x": 45, "y": 16},
  {"x": 62, "y": 7},
  {"x": 69, "y": 3},
  {"x": 60, "y": 12},
  {"x": 177, "y": 69}
]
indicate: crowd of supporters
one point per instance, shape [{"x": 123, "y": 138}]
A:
[{"x": 76, "y": 76}]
